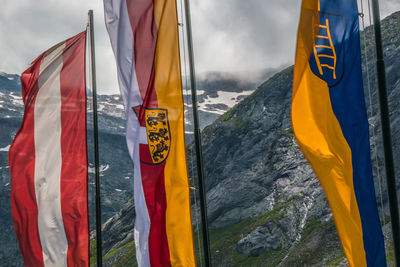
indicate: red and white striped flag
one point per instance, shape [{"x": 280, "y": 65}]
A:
[
  {"x": 144, "y": 37},
  {"x": 48, "y": 160}
]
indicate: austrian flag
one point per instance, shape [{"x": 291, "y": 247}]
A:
[{"x": 48, "y": 160}]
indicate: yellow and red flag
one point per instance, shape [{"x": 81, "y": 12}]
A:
[
  {"x": 144, "y": 37},
  {"x": 331, "y": 125},
  {"x": 48, "y": 160}
]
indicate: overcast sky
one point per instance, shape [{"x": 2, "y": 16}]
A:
[{"x": 229, "y": 35}]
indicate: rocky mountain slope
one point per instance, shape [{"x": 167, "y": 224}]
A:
[
  {"x": 116, "y": 169},
  {"x": 265, "y": 205},
  {"x": 9, "y": 123}
]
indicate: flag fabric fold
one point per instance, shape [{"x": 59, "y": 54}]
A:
[
  {"x": 144, "y": 37},
  {"x": 331, "y": 126},
  {"x": 48, "y": 160}
]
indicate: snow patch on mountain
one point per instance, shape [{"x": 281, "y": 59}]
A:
[
  {"x": 102, "y": 168},
  {"x": 223, "y": 102},
  {"x": 188, "y": 92},
  {"x": 5, "y": 149},
  {"x": 111, "y": 108},
  {"x": 16, "y": 99},
  {"x": 218, "y": 104}
]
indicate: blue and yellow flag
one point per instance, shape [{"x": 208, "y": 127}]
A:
[{"x": 331, "y": 125}]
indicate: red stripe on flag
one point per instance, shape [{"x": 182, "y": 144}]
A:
[
  {"x": 74, "y": 153},
  {"x": 153, "y": 181},
  {"x": 21, "y": 157},
  {"x": 144, "y": 28},
  {"x": 154, "y": 190}
]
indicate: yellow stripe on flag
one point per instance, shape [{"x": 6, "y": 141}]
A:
[{"x": 169, "y": 94}]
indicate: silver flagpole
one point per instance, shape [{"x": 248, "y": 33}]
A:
[
  {"x": 197, "y": 137},
  {"x": 96, "y": 144},
  {"x": 387, "y": 137}
]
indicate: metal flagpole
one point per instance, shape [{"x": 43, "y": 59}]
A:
[
  {"x": 197, "y": 137},
  {"x": 387, "y": 139},
  {"x": 96, "y": 144}
]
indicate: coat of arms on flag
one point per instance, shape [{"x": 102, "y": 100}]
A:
[{"x": 158, "y": 134}]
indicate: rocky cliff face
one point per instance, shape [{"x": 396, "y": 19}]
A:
[
  {"x": 265, "y": 205},
  {"x": 259, "y": 176},
  {"x": 116, "y": 170},
  {"x": 258, "y": 173}
]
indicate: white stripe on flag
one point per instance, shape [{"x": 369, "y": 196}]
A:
[
  {"x": 122, "y": 41},
  {"x": 47, "y": 134},
  {"x": 142, "y": 223}
]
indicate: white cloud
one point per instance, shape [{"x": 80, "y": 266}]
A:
[
  {"x": 241, "y": 35},
  {"x": 30, "y": 27},
  {"x": 229, "y": 35}
]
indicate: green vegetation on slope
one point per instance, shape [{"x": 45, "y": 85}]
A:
[
  {"x": 223, "y": 241},
  {"x": 129, "y": 256},
  {"x": 319, "y": 246}
]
